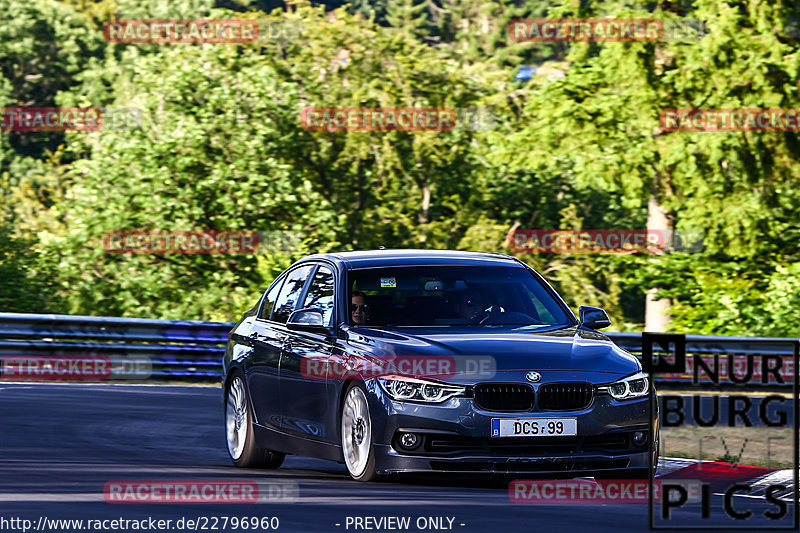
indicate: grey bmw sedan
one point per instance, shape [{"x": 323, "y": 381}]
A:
[{"x": 396, "y": 361}]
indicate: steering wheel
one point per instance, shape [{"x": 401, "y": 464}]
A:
[{"x": 487, "y": 315}]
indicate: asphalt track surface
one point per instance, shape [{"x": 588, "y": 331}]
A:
[{"x": 61, "y": 443}]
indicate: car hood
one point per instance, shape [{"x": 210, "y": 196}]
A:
[{"x": 466, "y": 356}]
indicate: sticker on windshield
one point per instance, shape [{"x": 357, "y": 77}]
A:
[{"x": 388, "y": 282}]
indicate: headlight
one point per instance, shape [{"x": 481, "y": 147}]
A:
[
  {"x": 418, "y": 390},
  {"x": 634, "y": 386}
]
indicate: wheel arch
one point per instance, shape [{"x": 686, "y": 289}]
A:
[
  {"x": 346, "y": 384},
  {"x": 232, "y": 371}
]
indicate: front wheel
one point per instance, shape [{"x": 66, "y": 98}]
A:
[
  {"x": 359, "y": 455},
  {"x": 239, "y": 430}
]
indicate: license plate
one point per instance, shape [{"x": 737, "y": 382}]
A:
[{"x": 534, "y": 427}]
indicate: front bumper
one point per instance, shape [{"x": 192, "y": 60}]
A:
[{"x": 454, "y": 437}]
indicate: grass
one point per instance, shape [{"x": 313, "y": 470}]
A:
[{"x": 727, "y": 444}]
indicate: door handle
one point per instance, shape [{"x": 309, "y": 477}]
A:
[
  {"x": 254, "y": 335},
  {"x": 287, "y": 346}
]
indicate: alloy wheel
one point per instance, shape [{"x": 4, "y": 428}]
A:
[
  {"x": 236, "y": 418},
  {"x": 356, "y": 432}
]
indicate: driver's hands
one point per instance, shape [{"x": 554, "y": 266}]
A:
[{"x": 480, "y": 316}]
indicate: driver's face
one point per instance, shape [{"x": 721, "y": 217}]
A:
[
  {"x": 358, "y": 310},
  {"x": 467, "y": 307}
]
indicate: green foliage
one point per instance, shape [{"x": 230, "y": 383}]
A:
[
  {"x": 27, "y": 277},
  {"x": 44, "y": 45},
  {"x": 407, "y": 15},
  {"x": 220, "y": 145},
  {"x": 369, "y": 9},
  {"x": 596, "y": 132}
]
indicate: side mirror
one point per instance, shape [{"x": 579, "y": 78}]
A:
[
  {"x": 309, "y": 319},
  {"x": 593, "y": 317}
]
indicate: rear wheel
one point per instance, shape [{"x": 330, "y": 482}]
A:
[
  {"x": 239, "y": 430},
  {"x": 359, "y": 455}
]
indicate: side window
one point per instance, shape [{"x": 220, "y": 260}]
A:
[
  {"x": 269, "y": 300},
  {"x": 320, "y": 294},
  {"x": 290, "y": 291}
]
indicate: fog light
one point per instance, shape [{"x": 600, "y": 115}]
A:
[
  {"x": 639, "y": 437},
  {"x": 408, "y": 440}
]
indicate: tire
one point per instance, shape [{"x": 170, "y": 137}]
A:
[
  {"x": 356, "y": 429},
  {"x": 239, "y": 433},
  {"x": 656, "y": 452}
]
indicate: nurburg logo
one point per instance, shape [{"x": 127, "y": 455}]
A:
[{"x": 533, "y": 377}]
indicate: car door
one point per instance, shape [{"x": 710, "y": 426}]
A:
[
  {"x": 268, "y": 336},
  {"x": 306, "y": 395}
]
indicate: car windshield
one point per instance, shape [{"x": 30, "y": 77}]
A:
[{"x": 452, "y": 296}]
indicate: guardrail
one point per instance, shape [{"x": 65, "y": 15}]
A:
[
  {"x": 114, "y": 348},
  {"x": 136, "y": 348},
  {"x": 709, "y": 347}
]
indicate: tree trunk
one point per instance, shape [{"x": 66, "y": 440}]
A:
[
  {"x": 656, "y": 311},
  {"x": 423, "y": 212}
]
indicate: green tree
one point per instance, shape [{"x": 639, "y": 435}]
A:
[
  {"x": 27, "y": 285},
  {"x": 44, "y": 46},
  {"x": 222, "y": 147},
  {"x": 369, "y": 9},
  {"x": 598, "y": 127},
  {"x": 407, "y": 15}
]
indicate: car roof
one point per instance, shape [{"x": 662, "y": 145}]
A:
[{"x": 411, "y": 257}]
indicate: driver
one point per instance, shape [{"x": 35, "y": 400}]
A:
[
  {"x": 359, "y": 310},
  {"x": 466, "y": 306}
]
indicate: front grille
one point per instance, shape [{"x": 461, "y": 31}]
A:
[
  {"x": 503, "y": 397},
  {"x": 565, "y": 396}
]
